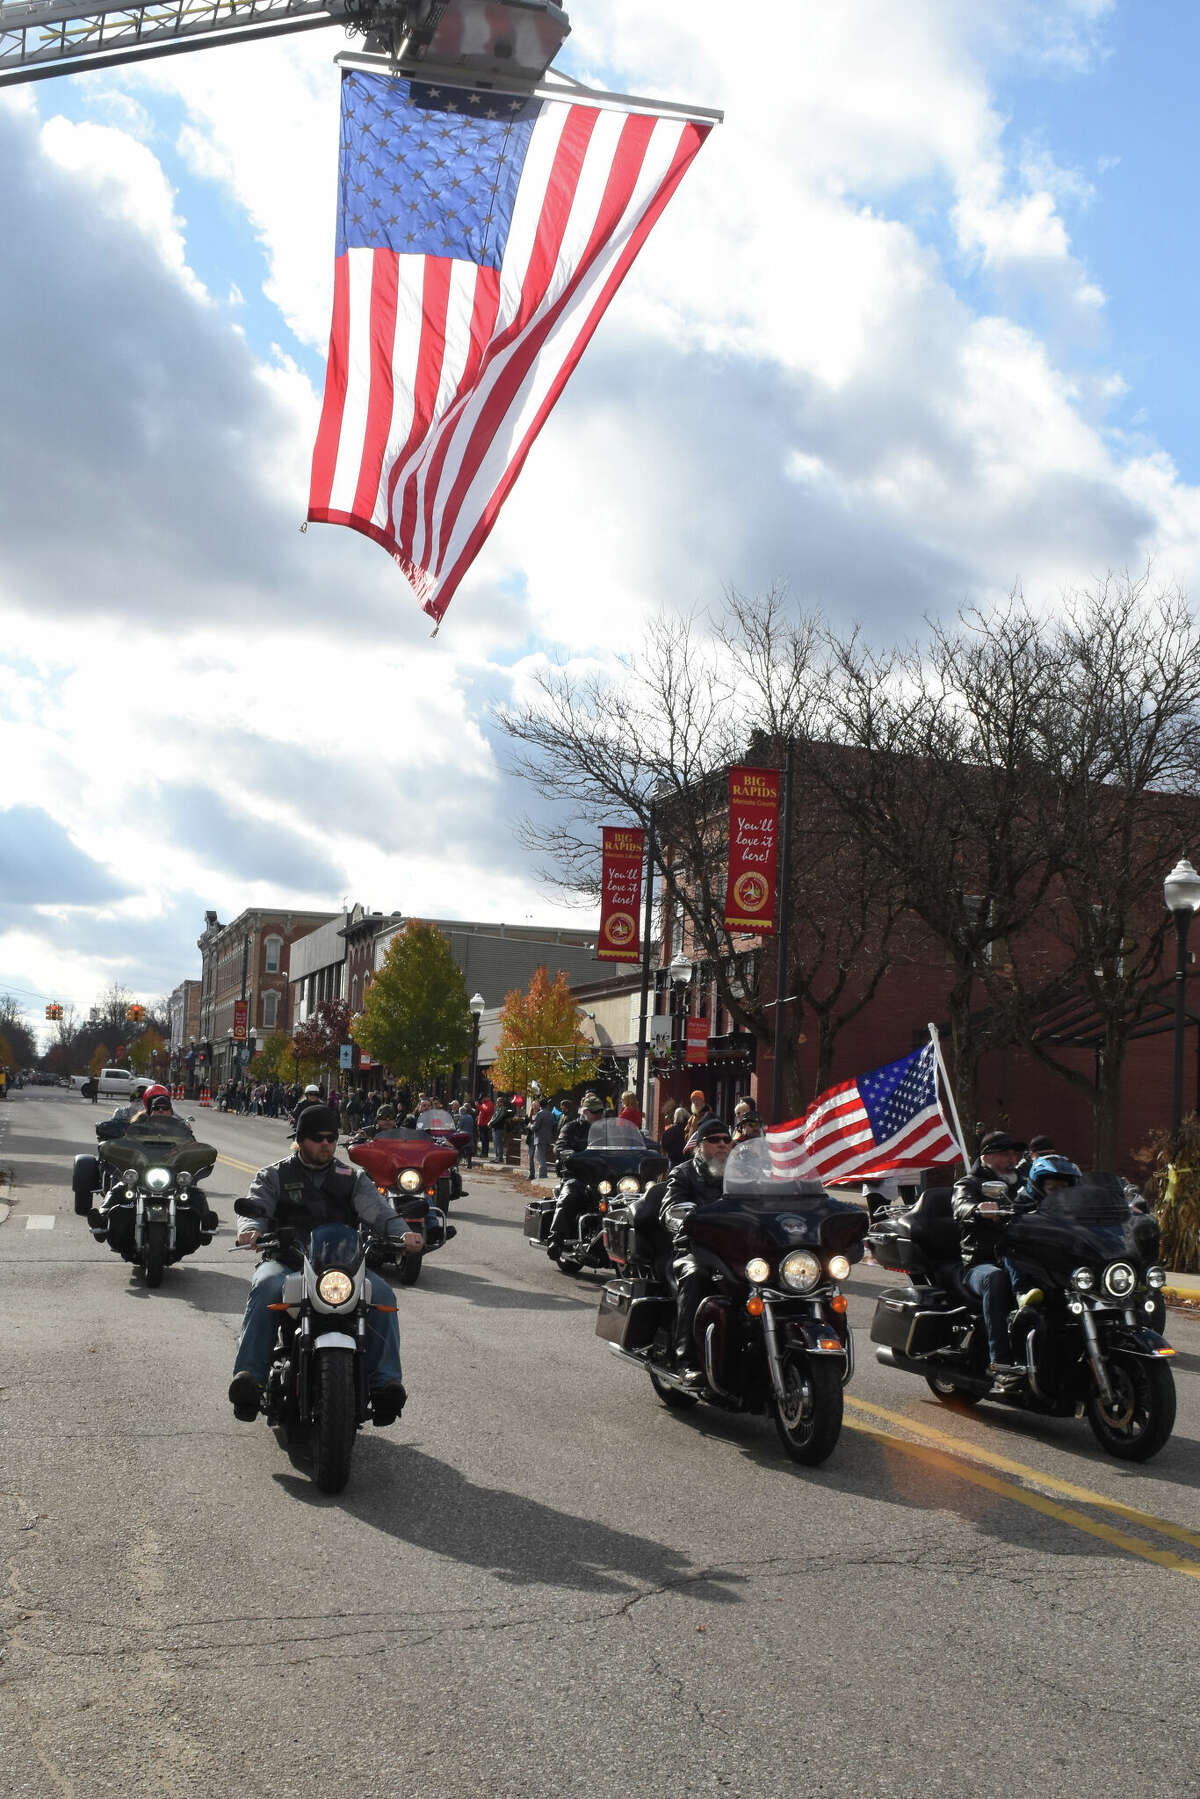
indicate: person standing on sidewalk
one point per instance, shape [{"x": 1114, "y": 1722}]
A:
[{"x": 541, "y": 1132}]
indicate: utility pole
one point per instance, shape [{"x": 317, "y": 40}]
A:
[
  {"x": 781, "y": 971},
  {"x": 643, "y": 1017}
]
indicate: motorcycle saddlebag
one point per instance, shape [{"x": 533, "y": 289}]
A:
[
  {"x": 538, "y": 1214},
  {"x": 631, "y": 1313},
  {"x": 892, "y": 1249},
  {"x": 915, "y": 1320}
]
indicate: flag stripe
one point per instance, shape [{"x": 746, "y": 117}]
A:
[
  {"x": 330, "y": 428},
  {"x": 384, "y": 275}
]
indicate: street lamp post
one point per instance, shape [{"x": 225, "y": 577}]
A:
[
  {"x": 680, "y": 976},
  {"x": 1181, "y": 891},
  {"x": 232, "y": 1053},
  {"x": 475, "y": 1005}
]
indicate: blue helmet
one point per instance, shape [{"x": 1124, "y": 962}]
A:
[{"x": 1051, "y": 1168}]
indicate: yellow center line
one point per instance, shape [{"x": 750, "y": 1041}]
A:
[
  {"x": 962, "y": 1469},
  {"x": 976, "y": 1453},
  {"x": 232, "y": 1162}
]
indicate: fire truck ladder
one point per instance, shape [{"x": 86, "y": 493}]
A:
[{"x": 477, "y": 39}]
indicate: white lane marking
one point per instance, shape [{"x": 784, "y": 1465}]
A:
[{"x": 40, "y": 1221}]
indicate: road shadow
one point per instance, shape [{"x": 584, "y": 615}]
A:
[
  {"x": 427, "y": 1504},
  {"x": 899, "y": 1471},
  {"x": 479, "y": 1292},
  {"x": 459, "y": 1217},
  {"x": 207, "y": 1289}
]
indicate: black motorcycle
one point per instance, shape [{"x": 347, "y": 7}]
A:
[
  {"x": 152, "y": 1211},
  {"x": 771, "y": 1334},
  {"x": 618, "y": 1164},
  {"x": 427, "y": 1220},
  {"x": 1085, "y": 1338},
  {"x": 316, "y": 1395}
]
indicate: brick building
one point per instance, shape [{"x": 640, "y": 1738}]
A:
[{"x": 247, "y": 957}]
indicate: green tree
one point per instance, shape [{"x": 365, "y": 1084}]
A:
[
  {"x": 274, "y": 1060},
  {"x": 415, "y": 1018},
  {"x": 147, "y": 1053},
  {"x": 540, "y": 1038}
]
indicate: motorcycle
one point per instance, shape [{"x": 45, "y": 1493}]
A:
[
  {"x": 153, "y": 1212},
  {"x": 388, "y": 1161},
  {"x": 442, "y": 1129},
  {"x": 618, "y": 1164},
  {"x": 771, "y": 1334},
  {"x": 1085, "y": 1341},
  {"x": 316, "y": 1396}
]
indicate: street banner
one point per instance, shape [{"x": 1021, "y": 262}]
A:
[
  {"x": 241, "y": 1011},
  {"x": 345, "y": 1055},
  {"x": 696, "y": 1043},
  {"x": 480, "y": 238},
  {"x": 753, "y": 849},
  {"x": 364, "y": 1060},
  {"x": 624, "y": 851}
]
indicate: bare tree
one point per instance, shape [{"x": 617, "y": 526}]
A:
[{"x": 653, "y": 744}]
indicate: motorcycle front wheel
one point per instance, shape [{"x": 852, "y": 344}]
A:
[
  {"x": 409, "y": 1271},
  {"x": 1142, "y": 1415},
  {"x": 334, "y": 1423},
  {"x": 154, "y": 1254},
  {"x": 809, "y": 1419}
]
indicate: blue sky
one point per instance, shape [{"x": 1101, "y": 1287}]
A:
[{"x": 917, "y": 326}]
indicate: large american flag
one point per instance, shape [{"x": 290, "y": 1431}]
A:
[
  {"x": 480, "y": 238},
  {"x": 886, "y": 1122}
]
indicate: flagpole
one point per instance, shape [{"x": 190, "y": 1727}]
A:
[
  {"x": 958, "y": 1130},
  {"x": 570, "y": 90}
]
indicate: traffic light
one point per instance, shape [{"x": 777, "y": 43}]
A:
[
  {"x": 135, "y": 1014},
  {"x": 54, "y": 1010}
]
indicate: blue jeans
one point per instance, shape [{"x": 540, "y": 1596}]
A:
[
  {"x": 258, "y": 1328},
  {"x": 992, "y": 1286}
]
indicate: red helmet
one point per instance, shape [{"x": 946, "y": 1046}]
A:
[{"x": 152, "y": 1094}]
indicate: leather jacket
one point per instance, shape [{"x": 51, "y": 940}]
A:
[
  {"x": 573, "y": 1137},
  {"x": 692, "y": 1182},
  {"x": 980, "y": 1237}
]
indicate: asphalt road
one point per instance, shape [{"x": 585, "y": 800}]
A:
[{"x": 542, "y": 1582}]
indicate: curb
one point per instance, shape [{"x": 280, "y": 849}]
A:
[
  {"x": 1186, "y": 1299},
  {"x": 6, "y": 1204}
]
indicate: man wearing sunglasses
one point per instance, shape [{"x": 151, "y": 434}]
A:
[
  {"x": 697, "y": 1182},
  {"x": 308, "y": 1189}
]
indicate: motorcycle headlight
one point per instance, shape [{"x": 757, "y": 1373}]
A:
[
  {"x": 1083, "y": 1280},
  {"x": 410, "y": 1180},
  {"x": 801, "y": 1270},
  {"x": 158, "y": 1178},
  {"x": 1156, "y": 1276},
  {"x": 183, "y": 1180},
  {"x": 629, "y": 1185},
  {"x": 335, "y": 1287},
  {"x": 1119, "y": 1279},
  {"x": 604, "y": 1187},
  {"x": 839, "y": 1267},
  {"x": 758, "y": 1270},
  {"x": 129, "y": 1178}
]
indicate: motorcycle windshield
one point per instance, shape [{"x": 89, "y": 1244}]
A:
[
  {"x": 753, "y": 1168},
  {"x": 436, "y": 1120},
  {"x": 165, "y": 1143},
  {"x": 335, "y": 1246},
  {"x": 615, "y": 1134},
  {"x": 1098, "y": 1199}
]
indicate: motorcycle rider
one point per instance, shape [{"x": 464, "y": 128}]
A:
[
  {"x": 307, "y": 1189},
  {"x": 696, "y": 1182},
  {"x": 572, "y": 1194},
  {"x": 982, "y": 1218}
]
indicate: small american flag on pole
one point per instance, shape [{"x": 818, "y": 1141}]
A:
[
  {"x": 885, "y": 1122},
  {"x": 480, "y": 238}
]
